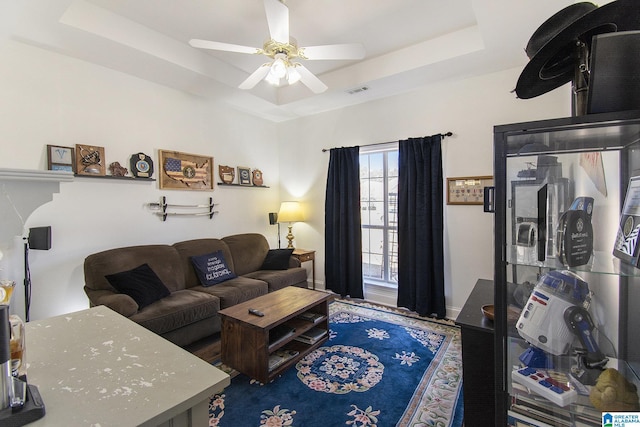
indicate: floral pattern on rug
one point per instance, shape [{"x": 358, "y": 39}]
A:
[
  {"x": 428, "y": 339},
  {"x": 407, "y": 358},
  {"x": 340, "y": 369},
  {"x": 277, "y": 417},
  {"x": 363, "y": 418},
  {"x": 216, "y": 410},
  {"x": 348, "y": 318},
  {"x": 379, "y": 334}
]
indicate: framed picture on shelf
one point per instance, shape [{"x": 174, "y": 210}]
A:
[
  {"x": 244, "y": 175},
  {"x": 183, "y": 171},
  {"x": 60, "y": 158},
  {"x": 467, "y": 190},
  {"x": 626, "y": 244},
  {"x": 90, "y": 160}
]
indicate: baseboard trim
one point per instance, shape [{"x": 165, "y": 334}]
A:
[{"x": 389, "y": 296}]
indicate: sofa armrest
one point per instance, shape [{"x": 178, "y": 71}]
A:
[
  {"x": 294, "y": 262},
  {"x": 120, "y": 303}
]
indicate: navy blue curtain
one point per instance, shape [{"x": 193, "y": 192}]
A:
[
  {"x": 420, "y": 226},
  {"x": 343, "y": 234}
]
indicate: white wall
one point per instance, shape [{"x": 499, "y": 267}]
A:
[
  {"x": 53, "y": 99},
  {"x": 468, "y": 108}
]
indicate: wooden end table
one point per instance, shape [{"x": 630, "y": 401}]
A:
[
  {"x": 248, "y": 341},
  {"x": 304, "y": 255}
]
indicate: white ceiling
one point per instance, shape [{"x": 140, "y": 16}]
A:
[{"x": 408, "y": 43}]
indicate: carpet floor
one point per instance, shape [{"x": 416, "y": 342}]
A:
[{"x": 381, "y": 367}]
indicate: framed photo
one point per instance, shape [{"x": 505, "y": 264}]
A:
[
  {"x": 626, "y": 244},
  {"x": 90, "y": 160},
  {"x": 183, "y": 171},
  {"x": 60, "y": 158},
  {"x": 467, "y": 190},
  {"x": 244, "y": 175}
]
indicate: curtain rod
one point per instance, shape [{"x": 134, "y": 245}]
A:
[{"x": 444, "y": 135}]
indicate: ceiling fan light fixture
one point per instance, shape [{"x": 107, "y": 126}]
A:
[
  {"x": 281, "y": 48},
  {"x": 279, "y": 66}
]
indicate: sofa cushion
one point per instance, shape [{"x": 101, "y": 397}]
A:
[
  {"x": 189, "y": 248},
  {"x": 278, "y": 279},
  {"x": 141, "y": 284},
  {"x": 120, "y": 303},
  {"x": 236, "y": 290},
  {"x": 212, "y": 268},
  {"x": 162, "y": 259},
  {"x": 177, "y": 310},
  {"x": 190, "y": 334},
  {"x": 248, "y": 251},
  {"x": 277, "y": 259}
]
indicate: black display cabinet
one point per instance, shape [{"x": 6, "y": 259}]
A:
[{"x": 567, "y": 217}]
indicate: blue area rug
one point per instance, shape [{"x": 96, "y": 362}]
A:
[{"x": 379, "y": 368}]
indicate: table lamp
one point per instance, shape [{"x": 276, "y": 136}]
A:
[{"x": 290, "y": 212}]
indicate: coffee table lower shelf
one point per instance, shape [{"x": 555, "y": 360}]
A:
[
  {"x": 273, "y": 373},
  {"x": 246, "y": 341}
]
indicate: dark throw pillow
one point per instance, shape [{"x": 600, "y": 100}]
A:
[
  {"x": 212, "y": 268},
  {"x": 277, "y": 259},
  {"x": 141, "y": 284}
]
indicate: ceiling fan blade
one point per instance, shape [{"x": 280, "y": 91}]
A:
[
  {"x": 334, "y": 51},
  {"x": 278, "y": 20},
  {"x": 310, "y": 80},
  {"x": 255, "y": 77},
  {"x": 206, "y": 44}
]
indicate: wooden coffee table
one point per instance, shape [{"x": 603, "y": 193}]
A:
[{"x": 249, "y": 341}]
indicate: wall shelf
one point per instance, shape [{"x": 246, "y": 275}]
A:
[
  {"x": 34, "y": 175},
  {"x": 222, "y": 184},
  {"x": 123, "y": 178}
]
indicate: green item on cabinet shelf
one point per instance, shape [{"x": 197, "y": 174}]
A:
[{"x": 613, "y": 392}]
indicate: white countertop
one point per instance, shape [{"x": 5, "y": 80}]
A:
[{"x": 97, "y": 368}]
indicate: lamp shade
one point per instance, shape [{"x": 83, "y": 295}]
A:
[{"x": 290, "y": 212}]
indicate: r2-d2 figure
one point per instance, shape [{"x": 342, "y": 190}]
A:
[{"x": 554, "y": 315}]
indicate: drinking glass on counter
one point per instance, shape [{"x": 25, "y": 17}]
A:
[{"x": 6, "y": 289}]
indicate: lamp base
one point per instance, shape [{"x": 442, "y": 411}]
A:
[{"x": 290, "y": 238}]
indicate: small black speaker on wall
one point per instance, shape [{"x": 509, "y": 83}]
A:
[
  {"x": 40, "y": 238},
  {"x": 273, "y": 218}
]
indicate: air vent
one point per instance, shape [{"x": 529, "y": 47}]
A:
[{"x": 357, "y": 90}]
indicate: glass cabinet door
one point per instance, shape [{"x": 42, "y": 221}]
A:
[{"x": 567, "y": 222}]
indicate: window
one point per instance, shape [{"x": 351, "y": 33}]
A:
[{"x": 378, "y": 201}]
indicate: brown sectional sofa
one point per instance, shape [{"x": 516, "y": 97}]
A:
[{"x": 190, "y": 312}]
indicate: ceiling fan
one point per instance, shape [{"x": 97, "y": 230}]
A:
[{"x": 283, "y": 50}]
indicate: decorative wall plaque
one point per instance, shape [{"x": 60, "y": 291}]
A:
[
  {"x": 244, "y": 175},
  {"x": 141, "y": 165},
  {"x": 183, "y": 171},
  {"x": 257, "y": 177},
  {"x": 90, "y": 160},
  {"x": 227, "y": 174}
]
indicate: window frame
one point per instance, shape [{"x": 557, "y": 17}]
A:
[{"x": 386, "y": 228}]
